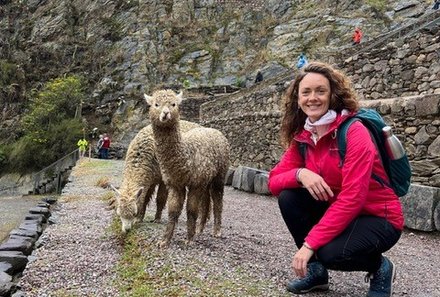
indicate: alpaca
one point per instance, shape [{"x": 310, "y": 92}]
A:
[
  {"x": 141, "y": 176},
  {"x": 197, "y": 160}
]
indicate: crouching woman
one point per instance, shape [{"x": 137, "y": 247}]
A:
[{"x": 340, "y": 217}]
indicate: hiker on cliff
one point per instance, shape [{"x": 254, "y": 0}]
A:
[
  {"x": 436, "y": 4},
  {"x": 259, "y": 77},
  {"x": 82, "y": 146},
  {"x": 357, "y": 36},
  {"x": 302, "y": 61},
  {"x": 339, "y": 215}
]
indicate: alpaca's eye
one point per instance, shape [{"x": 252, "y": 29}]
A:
[
  {"x": 173, "y": 105},
  {"x": 157, "y": 105}
]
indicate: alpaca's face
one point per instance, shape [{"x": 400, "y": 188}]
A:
[
  {"x": 164, "y": 107},
  {"x": 128, "y": 209}
]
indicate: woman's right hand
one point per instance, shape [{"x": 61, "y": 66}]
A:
[{"x": 315, "y": 184}]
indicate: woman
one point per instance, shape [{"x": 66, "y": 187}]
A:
[{"x": 339, "y": 216}]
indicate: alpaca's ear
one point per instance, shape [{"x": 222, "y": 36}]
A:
[
  {"x": 114, "y": 189},
  {"x": 179, "y": 97},
  {"x": 139, "y": 192},
  {"x": 149, "y": 99}
]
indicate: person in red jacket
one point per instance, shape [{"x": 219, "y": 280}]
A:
[
  {"x": 105, "y": 146},
  {"x": 340, "y": 217},
  {"x": 357, "y": 36}
]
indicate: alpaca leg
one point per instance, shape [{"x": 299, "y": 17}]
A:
[
  {"x": 217, "y": 189},
  {"x": 192, "y": 211},
  {"x": 175, "y": 204},
  {"x": 204, "y": 210},
  {"x": 142, "y": 204},
  {"x": 161, "y": 200}
]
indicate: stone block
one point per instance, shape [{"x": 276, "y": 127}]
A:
[
  {"x": 236, "y": 178},
  {"x": 50, "y": 199},
  {"x": 418, "y": 207},
  {"x": 6, "y": 267},
  {"x": 25, "y": 238},
  {"x": 4, "y": 277},
  {"x": 17, "y": 244},
  {"x": 37, "y": 217},
  {"x": 31, "y": 227},
  {"x": 17, "y": 259},
  {"x": 260, "y": 183},
  {"x": 40, "y": 210},
  {"x": 244, "y": 178},
  {"x": 6, "y": 288},
  {"x": 437, "y": 217},
  {"x": 229, "y": 176},
  {"x": 27, "y": 233}
]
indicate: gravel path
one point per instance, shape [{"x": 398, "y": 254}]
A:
[{"x": 78, "y": 255}]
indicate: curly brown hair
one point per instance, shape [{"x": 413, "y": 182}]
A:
[{"x": 342, "y": 96}]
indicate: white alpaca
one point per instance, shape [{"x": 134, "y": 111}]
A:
[{"x": 197, "y": 160}]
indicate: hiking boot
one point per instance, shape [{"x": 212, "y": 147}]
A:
[
  {"x": 381, "y": 282},
  {"x": 316, "y": 279}
]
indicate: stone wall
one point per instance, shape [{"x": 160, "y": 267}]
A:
[{"x": 402, "y": 68}]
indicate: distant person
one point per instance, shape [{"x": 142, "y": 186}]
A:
[
  {"x": 105, "y": 146},
  {"x": 99, "y": 146},
  {"x": 436, "y": 4},
  {"x": 82, "y": 145},
  {"x": 259, "y": 77},
  {"x": 302, "y": 61},
  {"x": 357, "y": 36}
]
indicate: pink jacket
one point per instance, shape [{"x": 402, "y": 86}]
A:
[{"x": 356, "y": 192}]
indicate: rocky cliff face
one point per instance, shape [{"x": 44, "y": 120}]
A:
[{"x": 127, "y": 47}]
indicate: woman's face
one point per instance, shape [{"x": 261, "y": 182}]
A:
[{"x": 314, "y": 95}]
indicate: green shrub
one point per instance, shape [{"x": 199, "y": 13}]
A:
[
  {"x": 379, "y": 5},
  {"x": 50, "y": 128}
]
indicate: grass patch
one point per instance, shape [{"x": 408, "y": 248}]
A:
[
  {"x": 146, "y": 270},
  {"x": 103, "y": 182}
]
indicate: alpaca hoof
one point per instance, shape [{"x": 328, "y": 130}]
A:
[
  {"x": 217, "y": 233},
  {"x": 163, "y": 244},
  {"x": 156, "y": 221},
  {"x": 188, "y": 242},
  {"x": 199, "y": 231}
]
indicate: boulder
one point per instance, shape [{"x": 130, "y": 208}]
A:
[
  {"x": 40, "y": 210},
  {"x": 23, "y": 232},
  {"x": 260, "y": 183},
  {"x": 229, "y": 176},
  {"x": 418, "y": 207},
  {"x": 244, "y": 178},
  {"x": 6, "y": 267},
  {"x": 31, "y": 227},
  {"x": 17, "y": 244},
  {"x": 17, "y": 260},
  {"x": 437, "y": 217}
]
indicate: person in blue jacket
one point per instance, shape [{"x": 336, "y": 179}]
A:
[{"x": 302, "y": 61}]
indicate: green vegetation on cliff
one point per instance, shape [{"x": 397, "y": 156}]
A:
[{"x": 49, "y": 130}]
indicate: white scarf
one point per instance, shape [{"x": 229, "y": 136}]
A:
[
  {"x": 323, "y": 123},
  {"x": 326, "y": 119}
]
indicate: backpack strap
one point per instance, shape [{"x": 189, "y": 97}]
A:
[
  {"x": 341, "y": 134},
  {"x": 342, "y": 146},
  {"x": 302, "y": 147}
]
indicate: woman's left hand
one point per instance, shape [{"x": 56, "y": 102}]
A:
[{"x": 300, "y": 260}]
